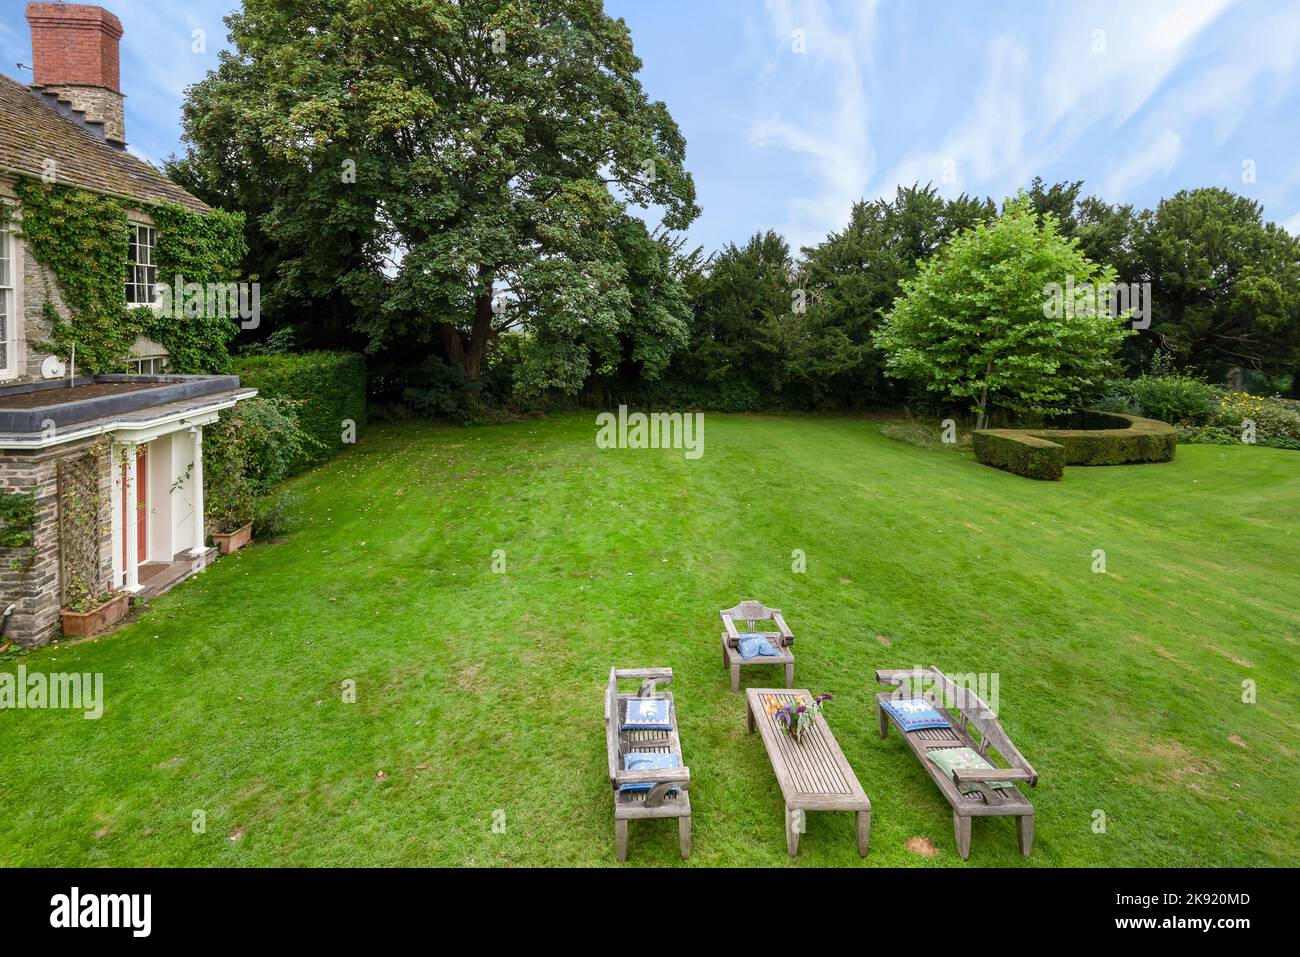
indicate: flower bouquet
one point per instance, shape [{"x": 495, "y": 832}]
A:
[{"x": 794, "y": 715}]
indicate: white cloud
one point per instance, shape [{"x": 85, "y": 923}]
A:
[
  {"x": 836, "y": 143},
  {"x": 1158, "y": 154},
  {"x": 1292, "y": 225}
]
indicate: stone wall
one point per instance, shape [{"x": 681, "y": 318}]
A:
[{"x": 36, "y": 585}]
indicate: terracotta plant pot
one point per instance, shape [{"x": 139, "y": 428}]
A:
[
  {"x": 233, "y": 541},
  {"x": 83, "y": 624}
]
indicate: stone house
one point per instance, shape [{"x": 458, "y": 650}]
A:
[{"x": 114, "y": 462}]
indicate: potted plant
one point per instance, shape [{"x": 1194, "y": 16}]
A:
[
  {"x": 796, "y": 714},
  {"x": 230, "y": 492},
  {"x": 88, "y": 613}
]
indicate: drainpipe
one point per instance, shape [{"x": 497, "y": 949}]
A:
[{"x": 4, "y": 617}]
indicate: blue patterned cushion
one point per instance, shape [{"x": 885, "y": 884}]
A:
[
  {"x": 912, "y": 714},
  {"x": 647, "y": 714},
  {"x": 753, "y": 646},
  {"x": 647, "y": 761}
]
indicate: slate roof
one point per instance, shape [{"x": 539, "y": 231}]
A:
[{"x": 31, "y": 131}]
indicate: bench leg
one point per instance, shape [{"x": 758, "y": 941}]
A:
[
  {"x": 961, "y": 824},
  {"x": 789, "y": 675},
  {"x": 735, "y": 679},
  {"x": 883, "y": 720},
  {"x": 1025, "y": 833},
  {"x": 749, "y": 714},
  {"x": 684, "y": 836},
  {"x": 793, "y": 825},
  {"x": 620, "y": 839},
  {"x": 864, "y": 832}
]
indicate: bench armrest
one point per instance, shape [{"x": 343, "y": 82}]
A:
[
  {"x": 787, "y": 636},
  {"x": 991, "y": 775},
  {"x": 677, "y": 776},
  {"x": 733, "y": 636}
]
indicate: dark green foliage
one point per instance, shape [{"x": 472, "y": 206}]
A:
[
  {"x": 328, "y": 389},
  {"x": 1092, "y": 438},
  {"x": 273, "y": 514},
  {"x": 1225, "y": 283}
]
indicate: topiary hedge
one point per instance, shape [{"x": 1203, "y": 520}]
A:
[
  {"x": 328, "y": 388},
  {"x": 1019, "y": 452},
  {"x": 1094, "y": 438}
]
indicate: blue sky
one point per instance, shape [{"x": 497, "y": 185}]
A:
[{"x": 793, "y": 109}]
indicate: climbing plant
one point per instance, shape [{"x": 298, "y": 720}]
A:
[
  {"x": 17, "y": 514},
  {"x": 83, "y": 239},
  {"x": 202, "y": 248}
]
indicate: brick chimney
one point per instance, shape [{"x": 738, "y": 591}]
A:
[{"x": 75, "y": 61}]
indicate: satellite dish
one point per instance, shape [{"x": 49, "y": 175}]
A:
[{"x": 52, "y": 367}]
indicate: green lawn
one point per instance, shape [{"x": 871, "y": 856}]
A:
[{"x": 478, "y": 691}]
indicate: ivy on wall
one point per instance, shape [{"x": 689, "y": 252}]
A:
[
  {"x": 203, "y": 248},
  {"x": 82, "y": 237}
]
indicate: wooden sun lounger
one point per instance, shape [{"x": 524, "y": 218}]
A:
[
  {"x": 970, "y": 794},
  {"x": 754, "y": 612},
  {"x": 812, "y": 772},
  {"x": 668, "y": 797}
]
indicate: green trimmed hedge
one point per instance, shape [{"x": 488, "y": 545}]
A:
[
  {"x": 328, "y": 388},
  {"x": 1019, "y": 452},
  {"x": 1096, "y": 438}
]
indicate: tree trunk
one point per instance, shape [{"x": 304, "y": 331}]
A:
[
  {"x": 982, "y": 419},
  {"x": 470, "y": 353}
]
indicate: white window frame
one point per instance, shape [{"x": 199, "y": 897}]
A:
[
  {"x": 141, "y": 277},
  {"x": 11, "y": 296}
]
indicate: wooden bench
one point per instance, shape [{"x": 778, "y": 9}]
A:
[
  {"x": 754, "y": 612},
  {"x": 667, "y": 797},
  {"x": 812, "y": 772},
  {"x": 969, "y": 792}
]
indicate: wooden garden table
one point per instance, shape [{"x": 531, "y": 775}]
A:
[{"x": 813, "y": 772}]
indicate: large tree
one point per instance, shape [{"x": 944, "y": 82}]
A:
[
  {"x": 1007, "y": 315},
  {"x": 1225, "y": 285},
  {"x": 449, "y": 169},
  {"x": 852, "y": 279}
]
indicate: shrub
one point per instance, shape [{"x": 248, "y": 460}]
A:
[
  {"x": 272, "y": 514},
  {"x": 923, "y": 434},
  {"x": 1276, "y": 422},
  {"x": 249, "y": 449},
  {"x": 1173, "y": 398},
  {"x": 1019, "y": 452},
  {"x": 330, "y": 388}
]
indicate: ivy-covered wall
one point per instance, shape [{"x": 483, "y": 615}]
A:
[{"x": 82, "y": 238}]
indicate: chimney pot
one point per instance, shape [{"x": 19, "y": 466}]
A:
[{"x": 75, "y": 49}]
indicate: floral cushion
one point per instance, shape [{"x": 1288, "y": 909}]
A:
[
  {"x": 913, "y": 714},
  {"x": 647, "y": 714}
]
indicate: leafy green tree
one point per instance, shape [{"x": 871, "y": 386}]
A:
[
  {"x": 447, "y": 170},
  {"x": 1225, "y": 285},
  {"x": 979, "y": 324},
  {"x": 852, "y": 279}
]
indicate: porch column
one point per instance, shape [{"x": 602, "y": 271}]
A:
[
  {"x": 200, "y": 540},
  {"x": 130, "y": 520}
]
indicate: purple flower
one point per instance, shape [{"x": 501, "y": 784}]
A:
[
  {"x": 784, "y": 717},
  {"x": 823, "y": 697},
  {"x": 800, "y": 710}
]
